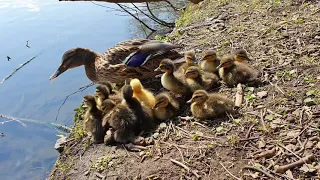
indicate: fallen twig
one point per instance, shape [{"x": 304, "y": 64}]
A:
[
  {"x": 239, "y": 96},
  {"x": 249, "y": 131},
  {"x": 65, "y": 100},
  {"x": 18, "y": 68},
  {"x": 284, "y": 168},
  {"x": 259, "y": 170},
  {"x": 182, "y": 30},
  {"x": 185, "y": 167},
  {"x": 133, "y": 147},
  {"x": 229, "y": 171},
  {"x": 266, "y": 154},
  {"x": 262, "y": 113}
]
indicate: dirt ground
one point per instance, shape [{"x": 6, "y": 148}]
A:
[{"x": 278, "y": 122}]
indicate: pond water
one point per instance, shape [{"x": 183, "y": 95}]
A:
[{"x": 50, "y": 27}]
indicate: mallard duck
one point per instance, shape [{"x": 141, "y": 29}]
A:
[
  {"x": 190, "y": 60},
  {"x": 143, "y": 95},
  {"x": 110, "y": 87},
  {"x": 143, "y": 113},
  {"x": 166, "y": 106},
  {"x": 103, "y": 92},
  {"x": 241, "y": 56},
  {"x": 232, "y": 72},
  {"x": 135, "y": 58},
  {"x": 208, "y": 106},
  {"x": 121, "y": 120},
  {"x": 169, "y": 80},
  {"x": 197, "y": 79},
  {"x": 93, "y": 120},
  {"x": 209, "y": 62}
]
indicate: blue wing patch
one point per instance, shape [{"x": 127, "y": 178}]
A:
[{"x": 136, "y": 59}]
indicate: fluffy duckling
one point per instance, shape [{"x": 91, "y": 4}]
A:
[
  {"x": 93, "y": 120},
  {"x": 143, "y": 95},
  {"x": 110, "y": 87},
  {"x": 121, "y": 122},
  {"x": 166, "y": 106},
  {"x": 169, "y": 80},
  {"x": 208, "y": 106},
  {"x": 209, "y": 62},
  {"x": 241, "y": 56},
  {"x": 103, "y": 92},
  {"x": 200, "y": 80},
  {"x": 190, "y": 59},
  {"x": 142, "y": 112},
  {"x": 232, "y": 72}
]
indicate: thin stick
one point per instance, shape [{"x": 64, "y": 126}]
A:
[
  {"x": 18, "y": 68},
  {"x": 284, "y": 168},
  {"x": 180, "y": 164},
  {"x": 259, "y": 170},
  {"x": 65, "y": 100},
  {"x": 239, "y": 96},
  {"x": 262, "y": 120},
  {"x": 229, "y": 171}
]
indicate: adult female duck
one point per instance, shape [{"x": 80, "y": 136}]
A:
[{"x": 135, "y": 58}]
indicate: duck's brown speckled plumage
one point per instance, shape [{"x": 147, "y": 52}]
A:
[{"x": 109, "y": 66}]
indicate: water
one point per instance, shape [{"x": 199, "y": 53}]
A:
[{"x": 51, "y": 27}]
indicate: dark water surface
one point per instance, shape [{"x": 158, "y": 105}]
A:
[{"x": 52, "y": 27}]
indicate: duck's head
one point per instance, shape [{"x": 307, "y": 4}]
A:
[
  {"x": 162, "y": 101},
  {"x": 102, "y": 92},
  {"x": 241, "y": 55},
  {"x": 199, "y": 96},
  {"x": 107, "y": 105},
  {"x": 127, "y": 91},
  {"x": 209, "y": 55},
  {"x": 89, "y": 101},
  {"x": 192, "y": 72},
  {"x": 136, "y": 85},
  {"x": 109, "y": 85},
  {"x": 226, "y": 62},
  {"x": 190, "y": 57},
  {"x": 166, "y": 65},
  {"x": 73, "y": 58}
]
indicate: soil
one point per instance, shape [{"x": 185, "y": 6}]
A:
[{"x": 278, "y": 122}]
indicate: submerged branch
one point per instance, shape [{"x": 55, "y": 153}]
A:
[{"x": 18, "y": 68}]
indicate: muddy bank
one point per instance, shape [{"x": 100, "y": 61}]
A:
[{"x": 279, "y": 121}]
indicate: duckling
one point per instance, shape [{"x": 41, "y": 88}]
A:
[
  {"x": 207, "y": 106},
  {"x": 200, "y": 80},
  {"x": 143, "y": 95},
  {"x": 166, "y": 106},
  {"x": 241, "y": 56},
  {"x": 169, "y": 80},
  {"x": 209, "y": 62},
  {"x": 110, "y": 88},
  {"x": 232, "y": 72},
  {"x": 121, "y": 120},
  {"x": 93, "y": 120},
  {"x": 143, "y": 113},
  {"x": 190, "y": 59},
  {"x": 103, "y": 92}
]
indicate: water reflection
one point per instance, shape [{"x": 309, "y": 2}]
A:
[{"x": 51, "y": 27}]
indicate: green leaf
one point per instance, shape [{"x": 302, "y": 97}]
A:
[
  {"x": 270, "y": 117},
  {"x": 60, "y": 135},
  {"x": 155, "y": 135},
  {"x": 311, "y": 92},
  {"x": 195, "y": 137},
  {"x": 308, "y": 100},
  {"x": 219, "y": 129}
]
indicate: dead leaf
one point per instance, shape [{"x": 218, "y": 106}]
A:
[
  {"x": 289, "y": 174},
  {"x": 276, "y": 123},
  {"x": 262, "y": 94},
  {"x": 253, "y": 175},
  {"x": 291, "y": 147},
  {"x": 261, "y": 144},
  {"x": 318, "y": 145},
  {"x": 293, "y": 134},
  {"x": 308, "y": 168},
  {"x": 309, "y": 145}
]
